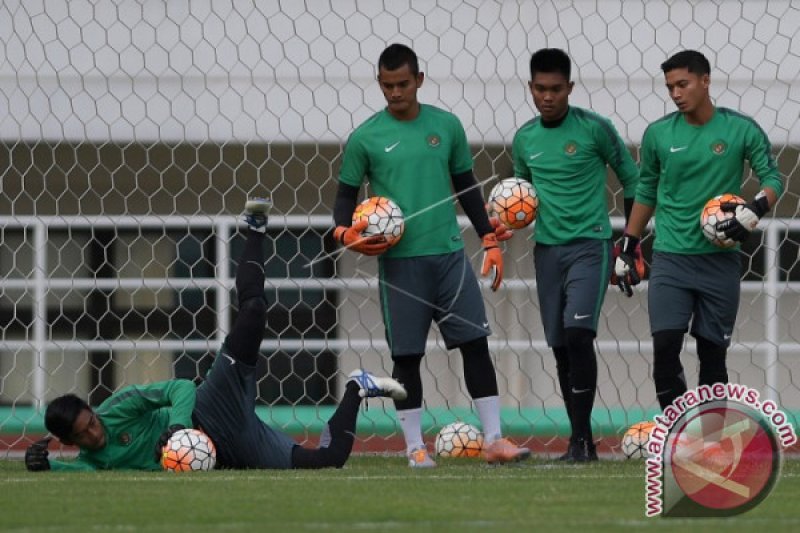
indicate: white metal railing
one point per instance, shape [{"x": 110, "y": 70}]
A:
[{"x": 222, "y": 227}]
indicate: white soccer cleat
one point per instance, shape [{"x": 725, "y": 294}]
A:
[
  {"x": 420, "y": 458},
  {"x": 374, "y": 386},
  {"x": 256, "y": 213}
]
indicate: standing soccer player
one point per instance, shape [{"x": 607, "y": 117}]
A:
[
  {"x": 688, "y": 157},
  {"x": 130, "y": 428},
  {"x": 565, "y": 152},
  {"x": 418, "y": 155}
]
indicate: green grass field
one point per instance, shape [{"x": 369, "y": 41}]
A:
[{"x": 370, "y": 494}]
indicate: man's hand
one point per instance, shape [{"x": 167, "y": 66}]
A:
[
  {"x": 629, "y": 265},
  {"x": 501, "y": 231},
  {"x": 350, "y": 237},
  {"x": 164, "y": 438},
  {"x": 36, "y": 455},
  {"x": 492, "y": 259},
  {"x": 745, "y": 218}
]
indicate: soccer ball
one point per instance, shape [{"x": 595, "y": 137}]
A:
[
  {"x": 514, "y": 201},
  {"x": 189, "y": 449},
  {"x": 384, "y": 217},
  {"x": 459, "y": 440},
  {"x": 634, "y": 441},
  {"x": 713, "y": 213}
]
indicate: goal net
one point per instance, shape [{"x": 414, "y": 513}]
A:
[{"x": 131, "y": 134}]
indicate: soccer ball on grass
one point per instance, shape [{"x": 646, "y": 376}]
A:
[
  {"x": 635, "y": 439},
  {"x": 459, "y": 440},
  {"x": 187, "y": 450}
]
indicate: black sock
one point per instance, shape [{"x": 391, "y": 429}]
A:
[
  {"x": 244, "y": 340},
  {"x": 582, "y": 379},
  {"x": 713, "y": 368},
  {"x": 562, "y": 369},
  {"x": 342, "y": 427},
  {"x": 668, "y": 373},
  {"x": 406, "y": 371},
  {"x": 479, "y": 373}
]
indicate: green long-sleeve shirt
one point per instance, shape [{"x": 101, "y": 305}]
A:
[{"x": 133, "y": 419}]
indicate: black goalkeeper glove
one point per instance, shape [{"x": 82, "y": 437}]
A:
[
  {"x": 629, "y": 265},
  {"x": 164, "y": 438},
  {"x": 745, "y": 219},
  {"x": 36, "y": 456}
]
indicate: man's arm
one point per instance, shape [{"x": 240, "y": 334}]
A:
[
  {"x": 471, "y": 200},
  {"x": 132, "y": 401}
]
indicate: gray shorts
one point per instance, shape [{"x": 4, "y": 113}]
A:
[
  {"x": 418, "y": 290},
  {"x": 701, "y": 290},
  {"x": 571, "y": 282},
  {"x": 225, "y": 410}
]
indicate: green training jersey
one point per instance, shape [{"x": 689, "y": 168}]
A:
[
  {"x": 684, "y": 165},
  {"x": 133, "y": 420},
  {"x": 411, "y": 162},
  {"x": 567, "y": 165}
]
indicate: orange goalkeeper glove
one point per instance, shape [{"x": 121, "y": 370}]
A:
[
  {"x": 501, "y": 231},
  {"x": 492, "y": 259},
  {"x": 351, "y": 238}
]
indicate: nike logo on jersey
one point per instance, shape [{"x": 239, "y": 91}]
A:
[
  {"x": 391, "y": 147},
  {"x": 581, "y": 317},
  {"x": 674, "y": 149},
  {"x": 534, "y": 156},
  {"x": 726, "y": 336},
  {"x": 576, "y": 391},
  {"x": 229, "y": 358},
  {"x": 486, "y": 324}
]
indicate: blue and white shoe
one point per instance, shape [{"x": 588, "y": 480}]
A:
[
  {"x": 256, "y": 213},
  {"x": 374, "y": 386}
]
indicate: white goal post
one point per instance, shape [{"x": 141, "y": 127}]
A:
[{"x": 132, "y": 132}]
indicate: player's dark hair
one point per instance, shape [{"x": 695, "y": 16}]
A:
[
  {"x": 396, "y": 55},
  {"x": 692, "y": 60},
  {"x": 551, "y": 60},
  {"x": 60, "y": 416}
]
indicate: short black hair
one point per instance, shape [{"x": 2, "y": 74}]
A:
[
  {"x": 396, "y": 55},
  {"x": 61, "y": 414},
  {"x": 692, "y": 60},
  {"x": 551, "y": 60}
]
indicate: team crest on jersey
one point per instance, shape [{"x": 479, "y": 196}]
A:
[
  {"x": 570, "y": 148},
  {"x": 719, "y": 147},
  {"x": 125, "y": 439},
  {"x": 434, "y": 140}
]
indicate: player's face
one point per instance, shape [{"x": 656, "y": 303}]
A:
[
  {"x": 88, "y": 432},
  {"x": 400, "y": 90},
  {"x": 689, "y": 91},
  {"x": 550, "y": 91}
]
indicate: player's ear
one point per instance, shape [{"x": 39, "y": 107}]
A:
[
  {"x": 420, "y": 79},
  {"x": 570, "y": 86},
  {"x": 706, "y": 81}
]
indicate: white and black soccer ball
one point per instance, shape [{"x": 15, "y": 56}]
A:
[
  {"x": 189, "y": 450},
  {"x": 459, "y": 439}
]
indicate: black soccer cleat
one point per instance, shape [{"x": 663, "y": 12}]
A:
[{"x": 580, "y": 451}]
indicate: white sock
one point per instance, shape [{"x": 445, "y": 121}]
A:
[
  {"x": 489, "y": 412},
  {"x": 411, "y": 423}
]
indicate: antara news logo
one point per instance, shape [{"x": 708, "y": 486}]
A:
[{"x": 715, "y": 451}]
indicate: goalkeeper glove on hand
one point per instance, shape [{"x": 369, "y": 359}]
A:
[
  {"x": 164, "y": 439},
  {"x": 36, "y": 456},
  {"x": 629, "y": 265},
  {"x": 351, "y": 238},
  {"x": 492, "y": 259},
  {"x": 745, "y": 219},
  {"x": 501, "y": 231}
]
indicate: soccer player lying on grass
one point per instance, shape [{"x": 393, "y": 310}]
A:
[{"x": 129, "y": 429}]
